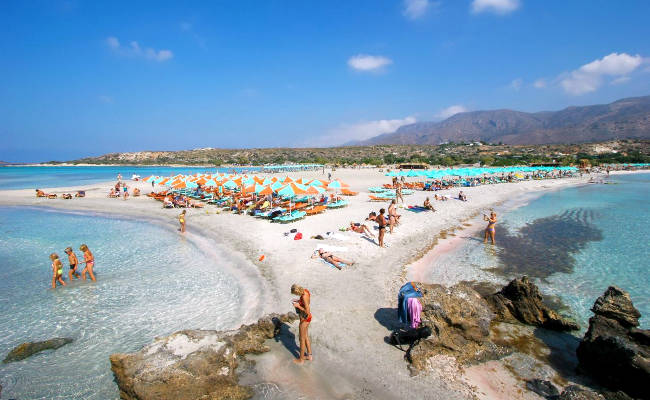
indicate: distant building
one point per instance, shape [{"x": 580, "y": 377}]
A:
[{"x": 413, "y": 166}]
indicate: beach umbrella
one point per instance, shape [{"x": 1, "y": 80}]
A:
[
  {"x": 210, "y": 183},
  {"x": 287, "y": 180},
  {"x": 412, "y": 173},
  {"x": 276, "y": 185},
  {"x": 291, "y": 190},
  {"x": 336, "y": 184},
  {"x": 266, "y": 191},
  {"x": 230, "y": 185},
  {"x": 180, "y": 185},
  {"x": 315, "y": 190},
  {"x": 267, "y": 181},
  {"x": 191, "y": 185}
]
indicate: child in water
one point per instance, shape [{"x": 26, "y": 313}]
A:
[
  {"x": 57, "y": 270},
  {"x": 90, "y": 263},
  {"x": 74, "y": 262}
]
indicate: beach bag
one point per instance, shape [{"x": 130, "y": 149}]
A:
[
  {"x": 409, "y": 336},
  {"x": 298, "y": 236}
]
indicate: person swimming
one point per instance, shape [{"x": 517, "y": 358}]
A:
[
  {"x": 302, "y": 306},
  {"x": 74, "y": 262},
  {"x": 489, "y": 230},
  {"x": 181, "y": 220},
  {"x": 90, "y": 263},
  {"x": 57, "y": 270}
]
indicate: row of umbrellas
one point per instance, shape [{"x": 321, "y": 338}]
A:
[
  {"x": 440, "y": 173},
  {"x": 250, "y": 184}
]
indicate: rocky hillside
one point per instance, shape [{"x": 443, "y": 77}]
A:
[{"x": 626, "y": 118}]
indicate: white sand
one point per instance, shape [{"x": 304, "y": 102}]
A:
[{"x": 347, "y": 338}]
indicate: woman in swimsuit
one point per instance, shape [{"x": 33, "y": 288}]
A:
[
  {"x": 90, "y": 263},
  {"x": 360, "y": 228},
  {"x": 302, "y": 306},
  {"x": 57, "y": 270},
  {"x": 72, "y": 258},
  {"x": 489, "y": 231},
  {"x": 393, "y": 217},
  {"x": 427, "y": 204},
  {"x": 331, "y": 258},
  {"x": 181, "y": 219}
]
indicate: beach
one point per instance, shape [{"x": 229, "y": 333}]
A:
[{"x": 349, "y": 305}]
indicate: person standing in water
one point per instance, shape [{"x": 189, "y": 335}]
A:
[
  {"x": 181, "y": 219},
  {"x": 302, "y": 306},
  {"x": 57, "y": 270},
  {"x": 74, "y": 262},
  {"x": 489, "y": 231},
  {"x": 90, "y": 263}
]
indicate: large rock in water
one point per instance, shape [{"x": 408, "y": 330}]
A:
[
  {"x": 460, "y": 320},
  {"x": 30, "y": 348},
  {"x": 614, "y": 350},
  {"x": 521, "y": 301},
  {"x": 193, "y": 364}
]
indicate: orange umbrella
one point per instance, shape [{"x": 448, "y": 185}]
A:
[
  {"x": 287, "y": 180},
  {"x": 181, "y": 185},
  {"x": 266, "y": 190},
  {"x": 201, "y": 181}
]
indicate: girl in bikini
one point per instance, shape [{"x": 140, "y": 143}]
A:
[
  {"x": 331, "y": 258},
  {"x": 57, "y": 270},
  {"x": 302, "y": 306},
  {"x": 90, "y": 263},
  {"x": 489, "y": 231},
  {"x": 74, "y": 262},
  {"x": 181, "y": 219}
]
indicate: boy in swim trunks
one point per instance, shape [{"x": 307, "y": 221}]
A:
[{"x": 74, "y": 262}]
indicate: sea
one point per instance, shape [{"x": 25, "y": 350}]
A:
[
  {"x": 574, "y": 243},
  {"x": 36, "y": 177},
  {"x": 151, "y": 282}
]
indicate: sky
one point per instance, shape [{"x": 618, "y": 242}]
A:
[{"x": 84, "y": 78}]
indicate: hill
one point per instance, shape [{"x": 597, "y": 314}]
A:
[{"x": 623, "y": 119}]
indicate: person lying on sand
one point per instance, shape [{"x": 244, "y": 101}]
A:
[
  {"x": 427, "y": 204},
  {"x": 462, "y": 196},
  {"x": 360, "y": 228},
  {"x": 330, "y": 258},
  {"x": 40, "y": 193}
]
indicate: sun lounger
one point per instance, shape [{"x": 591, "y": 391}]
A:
[
  {"x": 293, "y": 216},
  {"x": 346, "y": 192},
  {"x": 315, "y": 210},
  {"x": 376, "y": 198},
  {"x": 338, "y": 204}
]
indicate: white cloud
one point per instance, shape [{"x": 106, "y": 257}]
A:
[
  {"x": 495, "y": 6},
  {"x": 365, "y": 62},
  {"x": 590, "y": 77},
  {"x": 134, "y": 50},
  {"x": 451, "y": 110},
  {"x": 620, "y": 80},
  {"x": 345, "y": 133},
  {"x": 540, "y": 83},
  {"x": 414, "y": 9},
  {"x": 516, "y": 84}
]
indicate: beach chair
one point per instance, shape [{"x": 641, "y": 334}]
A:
[
  {"x": 291, "y": 217},
  {"x": 338, "y": 204},
  {"x": 346, "y": 192},
  {"x": 376, "y": 198},
  {"x": 315, "y": 210}
]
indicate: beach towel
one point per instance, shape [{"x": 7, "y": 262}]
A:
[
  {"x": 330, "y": 264},
  {"x": 405, "y": 293},
  {"x": 415, "y": 309}
]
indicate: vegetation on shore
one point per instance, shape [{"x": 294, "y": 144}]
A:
[{"x": 449, "y": 154}]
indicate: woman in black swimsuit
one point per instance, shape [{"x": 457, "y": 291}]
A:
[{"x": 331, "y": 258}]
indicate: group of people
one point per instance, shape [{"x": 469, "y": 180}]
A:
[
  {"x": 57, "y": 266},
  {"x": 383, "y": 220},
  {"x": 122, "y": 190}
]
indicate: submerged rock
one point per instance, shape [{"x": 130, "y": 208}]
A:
[
  {"x": 193, "y": 364},
  {"x": 28, "y": 349},
  {"x": 613, "y": 350},
  {"x": 460, "y": 320},
  {"x": 521, "y": 301}
]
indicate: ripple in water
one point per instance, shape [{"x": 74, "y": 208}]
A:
[{"x": 150, "y": 282}]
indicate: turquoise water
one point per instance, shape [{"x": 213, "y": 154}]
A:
[
  {"x": 150, "y": 282},
  {"x": 47, "y": 177},
  {"x": 574, "y": 242}
]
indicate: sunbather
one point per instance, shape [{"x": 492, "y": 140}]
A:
[
  {"x": 167, "y": 203},
  {"x": 360, "y": 228},
  {"x": 462, "y": 196},
  {"x": 427, "y": 205},
  {"x": 393, "y": 217},
  {"x": 331, "y": 258},
  {"x": 40, "y": 193}
]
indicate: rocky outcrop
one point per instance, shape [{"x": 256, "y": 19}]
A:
[
  {"x": 28, "y": 349},
  {"x": 460, "y": 320},
  {"x": 193, "y": 364},
  {"x": 521, "y": 301},
  {"x": 543, "y": 388},
  {"x": 614, "y": 351},
  {"x": 575, "y": 392}
]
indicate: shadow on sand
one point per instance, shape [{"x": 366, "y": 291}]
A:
[{"x": 284, "y": 335}]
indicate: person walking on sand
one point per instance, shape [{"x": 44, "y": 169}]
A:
[
  {"x": 57, "y": 270},
  {"x": 398, "y": 192},
  {"x": 381, "y": 220},
  {"x": 89, "y": 259},
  {"x": 302, "y": 306},
  {"x": 74, "y": 262},
  {"x": 489, "y": 231},
  {"x": 181, "y": 220}
]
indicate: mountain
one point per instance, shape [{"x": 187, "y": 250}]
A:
[{"x": 623, "y": 119}]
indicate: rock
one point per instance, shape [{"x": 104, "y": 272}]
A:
[
  {"x": 28, "y": 349},
  {"x": 460, "y": 320},
  {"x": 575, "y": 392},
  {"x": 521, "y": 301},
  {"x": 542, "y": 387},
  {"x": 616, "y": 304},
  {"x": 619, "y": 395},
  {"x": 613, "y": 351},
  {"x": 193, "y": 364}
]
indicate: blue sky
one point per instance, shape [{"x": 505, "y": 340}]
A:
[{"x": 81, "y": 78}]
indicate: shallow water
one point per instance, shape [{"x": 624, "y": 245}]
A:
[
  {"x": 574, "y": 242},
  {"x": 47, "y": 177},
  {"x": 150, "y": 282}
]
